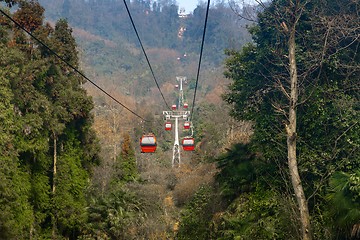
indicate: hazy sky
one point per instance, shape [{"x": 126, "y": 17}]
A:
[{"x": 189, "y": 5}]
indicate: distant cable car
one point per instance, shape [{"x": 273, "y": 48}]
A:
[
  {"x": 186, "y": 105},
  {"x": 186, "y": 125},
  {"x": 176, "y": 86},
  {"x": 148, "y": 143},
  {"x": 168, "y": 126},
  {"x": 173, "y": 107},
  {"x": 188, "y": 144}
]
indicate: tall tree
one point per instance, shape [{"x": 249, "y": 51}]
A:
[
  {"x": 70, "y": 130},
  {"x": 50, "y": 104},
  {"x": 30, "y": 16},
  {"x": 278, "y": 80},
  {"x": 290, "y": 28},
  {"x": 16, "y": 212}
]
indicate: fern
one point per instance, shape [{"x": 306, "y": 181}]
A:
[{"x": 343, "y": 198}]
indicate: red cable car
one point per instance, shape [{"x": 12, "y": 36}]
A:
[
  {"x": 186, "y": 125},
  {"x": 173, "y": 107},
  {"x": 188, "y": 144},
  {"x": 168, "y": 126},
  {"x": 148, "y": 143},
  {"x": 186, "y": 105}
]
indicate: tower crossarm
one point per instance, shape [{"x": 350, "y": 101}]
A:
[{"x": 172, "y": 115}]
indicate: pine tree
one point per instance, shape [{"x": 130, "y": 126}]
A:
[{"x": 74, "y": 145}]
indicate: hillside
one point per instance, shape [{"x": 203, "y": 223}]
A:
[
  {"x": 123, "y": 61},
  {"x": 111, "y": 55},
  {"x": 270, "y": 150}
]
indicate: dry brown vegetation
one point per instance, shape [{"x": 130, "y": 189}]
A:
[
  {"x": 161, "y": 56},
  {"x": 190, "y": 178},
  {"x": 85, "y": 35},
  {"x": 166, "y": 190}
]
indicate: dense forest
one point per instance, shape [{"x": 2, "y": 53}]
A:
[{"x": 276, "y": 121}]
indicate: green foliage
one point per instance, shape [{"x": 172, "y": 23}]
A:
[
  {"x": 196, "y": 217},
  {"x": 5, "y": 26},
  {"x": 115, "y": 215},
  {"x": 42, "y": 100},
  {"x": 329, "y": 133},
  {"x": 127, "y": 165},
  {"x": 248, "y": 183},
  {"x": 237, "y": 171},
  {"x": 344, "y": 202},
  {"x": 209, "y": 129},
  {"x": 64, "y": 43},
  {"x": 40, "y": 197},
  {"x": 16, "y": 212},
  {"x": 69, "y": 201},
  {"x": 260, "y": 214},
  {"x": 328, "y": 113}
]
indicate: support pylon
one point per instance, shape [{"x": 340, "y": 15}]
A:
[
  {"x": 176, "y": 150},
  {"x": 181, "y": 92},
  {"x": 176, "y": 116}
]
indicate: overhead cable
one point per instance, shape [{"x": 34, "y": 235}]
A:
[
  {"x": 143, "y": 49},
  {"x": 72, "y": 67},
  {"x": 201, "y": 51}
]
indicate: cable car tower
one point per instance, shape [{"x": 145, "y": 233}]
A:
[
  {"x": 181, "y": 80},
  {"x": 176, "y": 115}
]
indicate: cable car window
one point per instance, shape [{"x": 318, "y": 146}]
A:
[
  {"x": 148, "y": 141},
  {"x": 188, "y": 142}
]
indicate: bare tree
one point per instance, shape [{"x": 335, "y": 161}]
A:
[
  {"x": 286, "y": 20},
  {"x": 291, "y": 128},
  {"x": 335, "y": 30}
]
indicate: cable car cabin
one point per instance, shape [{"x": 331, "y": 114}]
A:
[
  {"x": 186, "y": 105},
  {"x": 148, "y": 143},
  {"x": 186, "y": 125},
  {"x": 173, "y": 107},
  {"x": 167, "y": 126},
  {"x": 188, "y": 144}
]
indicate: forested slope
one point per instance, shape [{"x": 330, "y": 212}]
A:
[
  {"x": 48, "y": 147},
  {"x": 116, "y": 54},
  {"x": 298, "y": 82}
]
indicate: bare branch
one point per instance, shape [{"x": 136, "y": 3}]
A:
[
  {"x": 278, "y": 109},
  {"x": 338, "y": 138},
  {"x": 247, "y": 12}
]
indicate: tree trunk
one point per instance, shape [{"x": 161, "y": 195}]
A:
[
  {"x": 54, "y": 167},
  {"x": 114, "y": 134},
  {"x": 291, "y": 142},
  {"x": 54, "y": 187}
]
